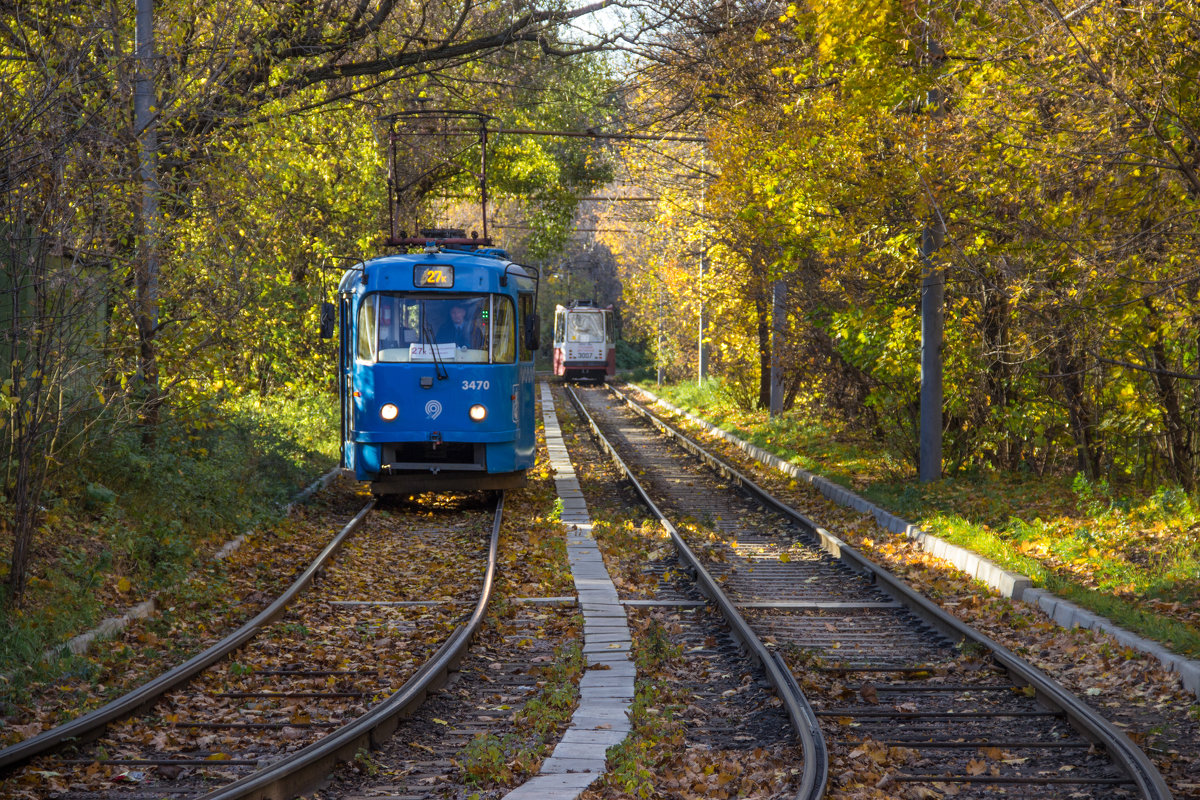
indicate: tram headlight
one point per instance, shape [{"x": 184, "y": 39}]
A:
[
  {"x": 388, "y": 411},
  {"x": 478, "y": 413}
]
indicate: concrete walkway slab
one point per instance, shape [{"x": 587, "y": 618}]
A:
[
  {"x": 602, "y": 718},
  {"x": 552, "y": 785}
]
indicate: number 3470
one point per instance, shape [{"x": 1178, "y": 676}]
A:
[{"x": 466, "y": 385}]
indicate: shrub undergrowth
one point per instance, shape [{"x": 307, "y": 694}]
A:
[{"x": 131, "y": 518}]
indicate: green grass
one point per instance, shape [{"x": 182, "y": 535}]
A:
[
  {"x": 1074, "y": 561},
  {"x": 813, "y": 442}
]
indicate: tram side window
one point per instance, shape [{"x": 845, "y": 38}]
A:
[
  {"x": 610, "y": 334},
  {"x": 525, "y": 306},
  {"x": 366, "y": 330},
  {"x": 560, "y": 327},
  {"x": 504, "y": 331}
]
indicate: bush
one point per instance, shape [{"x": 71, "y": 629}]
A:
[{"x": 139, "y": 515}]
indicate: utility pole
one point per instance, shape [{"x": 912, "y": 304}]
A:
[
  {"x": 658, "y": 352},
  {"x": 701, "y": 346},
  {"x": 146, "y": 130},
  {"x": 933, "y": 294},
  {"x": 778, "y": 331}
]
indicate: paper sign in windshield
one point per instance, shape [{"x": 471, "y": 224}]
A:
[{"x": 425, "y": 352}]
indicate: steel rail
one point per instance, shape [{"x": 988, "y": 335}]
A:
[
  {"x": 301, "y": 771},
  {"x": 93, "y": 724},
  {"x": 803, "y": 718},
  {"x": 1128, "y": 756}
]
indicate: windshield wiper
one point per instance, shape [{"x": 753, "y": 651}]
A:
[{"x": 439, "y": 367}]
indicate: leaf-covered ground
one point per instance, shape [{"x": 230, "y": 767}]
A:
[
  {"x": 703, "y": 728},
  {"x": 1129, "y": 687},
  {"x": 401, "y": 552},
  {"x": 533, "y": 548},
  {"x": 208, "y": 604}
]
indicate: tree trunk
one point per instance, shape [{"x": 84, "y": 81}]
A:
[
  {"x": 148, "y": 370},
  {"x": 996, "y": 322},
  {"x": 1180, "y": 453},
  {"x": 762, "y": 313},
  {"x": 146, "y": 133},
  {"x": 25, "y": 518},
  {"x": 1070, "y": 375},
  {"x": 27, "y": 420}
]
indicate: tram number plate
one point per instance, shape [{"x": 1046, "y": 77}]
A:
[{"x": 476, "y": 385}]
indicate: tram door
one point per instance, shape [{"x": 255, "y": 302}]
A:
[
  {"x": 346, "y": 378},
  {"x": 523, "y": 413}
]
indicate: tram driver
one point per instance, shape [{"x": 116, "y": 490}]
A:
[{"x": 458, "y": 330}]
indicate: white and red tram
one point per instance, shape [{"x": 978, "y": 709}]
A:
[{"x": 584, "y": 341}]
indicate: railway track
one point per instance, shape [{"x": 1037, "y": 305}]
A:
[
  {"x": 904, "y": 693},
  {"x": 324, "y": 672}
]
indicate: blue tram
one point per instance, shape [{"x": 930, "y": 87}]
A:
[{"x": 436, "y": 370}]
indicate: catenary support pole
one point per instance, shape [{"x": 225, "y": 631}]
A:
[
  {"x": 658, "y": 351},
  {"x": 701, "y": 345},
  {"x": 146, "y": 131},
  {"x": 933, "y": 291},
  {"x": 778, "y": 331}
]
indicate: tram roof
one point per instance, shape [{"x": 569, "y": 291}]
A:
[{"x": 492, "y": 261}]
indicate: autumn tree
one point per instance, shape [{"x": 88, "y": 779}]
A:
[
  {"x": 270, "y": 169},
  {"x": 63, "y": 200},
  {"x": 1058, "y": 149}
]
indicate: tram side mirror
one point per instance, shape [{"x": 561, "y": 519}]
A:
[
  {"x": 327, "y": 317},
  {"x": 533, "y": 332}
]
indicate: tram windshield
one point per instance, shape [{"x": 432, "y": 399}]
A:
[
  {"x": 403, "y": 328},
  {"x": 585, "y": 326}
]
